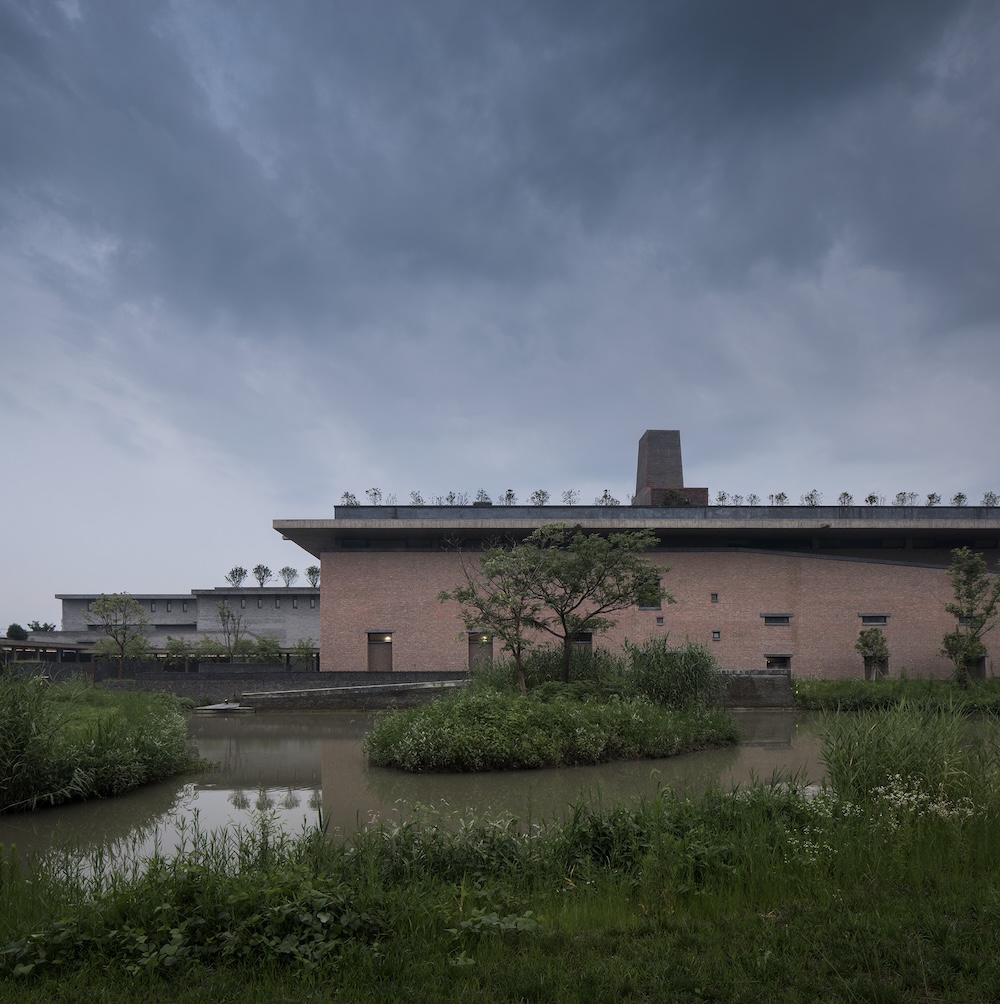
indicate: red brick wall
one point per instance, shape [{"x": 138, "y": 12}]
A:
[{"x": 397, "y": 591}]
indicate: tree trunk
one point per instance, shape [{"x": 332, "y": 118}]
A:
[{"x": 567, "y": 657}]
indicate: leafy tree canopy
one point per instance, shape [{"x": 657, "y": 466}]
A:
[
  {"x": 123, "y": 620},
  {"x": 559, "y": 580},
  {"x": 976, "y": 593}
]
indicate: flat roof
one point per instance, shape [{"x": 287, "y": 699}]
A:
[{"x": 745, "y": 524}]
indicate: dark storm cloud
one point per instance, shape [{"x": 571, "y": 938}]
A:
[{"x": 268, "y": 168}]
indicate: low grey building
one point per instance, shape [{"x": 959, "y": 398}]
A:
[{"x": 288, "y": 613}]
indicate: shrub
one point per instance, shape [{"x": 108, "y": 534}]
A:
[
  {"x": 676, "y": 677},
  {"x": 70, "y": 741},
  {"x": 491, "y": 731}
]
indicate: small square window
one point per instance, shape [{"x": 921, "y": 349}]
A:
[
  {"x": 169, "y": 604},
  {"x": 152, "y": 606},
  {"x": 295, "y": 603},
  {"x": 277, "y": 603},
  {"x": 243, "y": 603},
  {"x": 260, "y": 603},
  {"x": 184, "y": 606},
  {"x": 716, "y": 636},
  {"x": 659, "y": 622},
  {"x": 312, "y": 602},
  {"x": 715, "y": 597}
]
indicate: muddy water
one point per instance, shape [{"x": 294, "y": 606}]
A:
[{"x": 307, "y": 766}]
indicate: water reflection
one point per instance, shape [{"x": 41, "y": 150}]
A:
[{"x": 304, "y": 767}]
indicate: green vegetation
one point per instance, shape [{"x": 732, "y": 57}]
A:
[
  {"x": 558, "y": 580},
  {"x": 976, "y": 594},
  {"x": 484, "y": 731},
  {"x": 70, "y": 741},
  {"x": 653, "y": 701},
  {"x": 918, "y": 694},
  {"x": 123, "y": 620},
  {"x": 874, "y": 649},
  {"x": 880, "y": 887}
]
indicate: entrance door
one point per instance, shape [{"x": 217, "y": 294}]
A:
[
  {"x": 380, "y": 652},
  {"x": 480, "y": 649}
]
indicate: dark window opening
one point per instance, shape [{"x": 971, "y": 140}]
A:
[
  {"x": 716, "y": 636},
  {"x": 778, "y": 661},
  {"x": 715, "y": 597},
  {"x": 774, "y": 619},
  {"x": 874, "y": 618}
]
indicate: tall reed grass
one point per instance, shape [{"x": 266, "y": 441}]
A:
[
  {"x": 71, "y": 741},
  {"x": 682, "y": 676},
  {"x": 924, "y": 693}
]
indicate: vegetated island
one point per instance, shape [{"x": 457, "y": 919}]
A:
[
  {"x": 68, "y": 741},
  {"x": 651, "y": 701},
  {"x": 918, "y": 693}
]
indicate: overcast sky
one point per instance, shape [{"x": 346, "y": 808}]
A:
[{"x": 254, "y": 255}]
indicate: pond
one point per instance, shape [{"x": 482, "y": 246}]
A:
[{"x": 309, "y": 766}]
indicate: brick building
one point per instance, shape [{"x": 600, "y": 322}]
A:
[{"x": 763, "y": 586}]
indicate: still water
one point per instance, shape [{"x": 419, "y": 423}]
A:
[{"x": 307, "y": 766}]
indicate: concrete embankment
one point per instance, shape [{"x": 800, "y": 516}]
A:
[{"x": 277, "y": 689}]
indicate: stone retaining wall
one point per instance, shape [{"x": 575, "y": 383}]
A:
[{"x": 758, "y": 688}]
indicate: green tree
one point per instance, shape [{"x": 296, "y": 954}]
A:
[
  {"x": 312, "y": 574},
  {"x": 497, "y": 598},
  {"x": 16, "y": 633},
  {"x": 581, "y": 578},
  {"x": 123, "y": 620},
  {"x": 236, "y": 576},
  {"x": 179, "y": 652},
  {"x": 262, "y": 574},
  {"x": 267, "y": 649},
  {"x": 43, "y": 628},
  {"x": 288, "y": 574},
  {"x": 557, "y": 580},
  {"x": 304, "y": 654},
  {"x": 874, "y": 649},
  {"x": 974, "y": 607},
  {"x": 208, "y": 647},
  {"x": 234, "y": 629}
]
